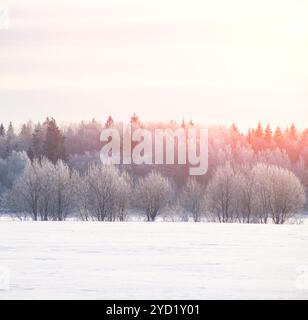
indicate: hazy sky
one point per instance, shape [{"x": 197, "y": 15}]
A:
[{"x": 213, "y": 61}]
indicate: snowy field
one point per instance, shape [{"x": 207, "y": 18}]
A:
[{"x": 75, "y": 260}]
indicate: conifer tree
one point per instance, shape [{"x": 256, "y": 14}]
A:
[
  {"x": 54, "y": 148},
  {"x": 109, "y": 123},
  {"x": 183, "y": 124},
  {"x": 2, "y": 130},
  {"x": 278, "y": 137},
  {"x": 10, "y": 130},
  {"x": 268, "y": 135},
  {"x": 37, "y": 145},
  {"x": 259, "y": 131},
  {"x": 134, "y": 118},
  {"x": 292, "y": 132}
]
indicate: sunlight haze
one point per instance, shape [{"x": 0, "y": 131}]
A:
[{"x": 215, "y": 62}]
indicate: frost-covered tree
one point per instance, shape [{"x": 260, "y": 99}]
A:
[
  {"x": 62, "y": 180},
  {"x": 3, "y": 147},
  {"x": 153, "y": 195},
  {"x": 301, "y": 171},
  {"x": 25, "y": 196},
  {"x": 80, "y": 192},
  {"x": 46, "y": 199},
  {"x": 193, "y": 199},
  {"x": 11, "y": 168},
  {"x": 274, "y": 157},
  {"x": 124, "y": 195},
  {"x": 280, "y": 193},
  {"x": 262, "y": 192},
  {"x": 221, "y": 194},
  {"x": 246, "y": 196},
  {"x": 44, "y": 191},
  {"x": 101, "y": 192},
  {"x": 286, "y": 195}
]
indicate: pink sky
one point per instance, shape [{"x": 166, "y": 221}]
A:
[{"x": 212, "y": 61}]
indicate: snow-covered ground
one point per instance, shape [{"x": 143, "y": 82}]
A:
[{"x": 71, "y": 260}]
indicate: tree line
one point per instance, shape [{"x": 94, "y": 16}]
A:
[
  {"x": 43, "y": 150},
  {"x": 259, "y": 194},
  {"x": 49, "y": 140}
]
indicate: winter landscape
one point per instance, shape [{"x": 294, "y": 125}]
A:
[
  {"x": 153, "y": 149},
  {"x": 72, "y": 227},
  {"x": 74, "y": 260}
]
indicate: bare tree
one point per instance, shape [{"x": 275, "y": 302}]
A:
[
  {"x": 62, "y": 185},
  {"x": 124, "y": 194},
  {"x": 279, "y": 192},
  {"x": 153, "y": 194},
  {"x": 247, "y": 197},
  {"x": 102, "y": 194},
  {"x": 221, "y": 194},
  {"x": 46, "y": 202},
  {"x": 193, "y": 199},
  {"x": 26, "y": 193},
  {"x": 262, "y": 192},
  {"x": 44, "y": 191},
  {"x": 101, "y": 191},
  {"x": 81, "y": 190},
  {"x": 287, "y": 196}
]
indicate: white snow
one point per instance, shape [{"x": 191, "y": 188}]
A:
[{"x": 78, "y": 260}]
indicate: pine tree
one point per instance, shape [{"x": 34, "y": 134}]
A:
[
  {"x": 303, "y": 143},
  {"x": 304, "y": 137},
  {"x": 2, "y": 130},
  {"x": 234, "y": 128},
  {"x": 250, "y": 135},
  {"x": 278, "y": 137},
  {"x": 268, "y": 135},
  {"x": 54, "y": 148},
  {"x": 10, "y": 131},
  {"x": 11, "y": 141},
  {"x": 259, "y": 131},
  {"x": 135, "y": 121},
  {"x": 26, "y": 130},
  {"x": 183, "y": 125},
  {"x": 109, "y": 123},
  {"x": 292, "y": 132},
  {"x": 235, "y": 137},
  {"x": 37, "y": 145}
]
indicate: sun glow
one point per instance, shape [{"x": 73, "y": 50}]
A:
[{"x": 216, "y": 62}]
